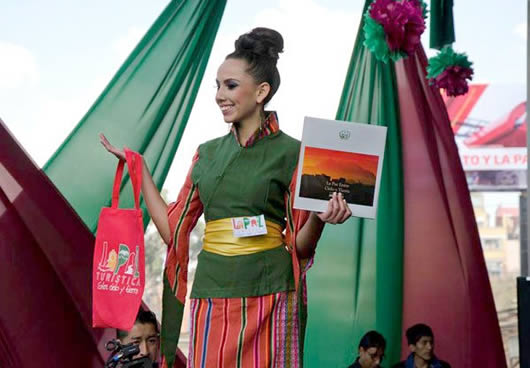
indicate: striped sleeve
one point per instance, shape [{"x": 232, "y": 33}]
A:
[
  {"x": 182, "y": 215},
  {"x": 295, "y": 220}
]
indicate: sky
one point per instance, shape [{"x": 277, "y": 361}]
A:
[
  {"x": 56, "y": 57},
  {"x": 354, "y": 167}
]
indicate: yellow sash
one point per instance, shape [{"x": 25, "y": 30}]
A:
[{"x": 219, "y": 239}]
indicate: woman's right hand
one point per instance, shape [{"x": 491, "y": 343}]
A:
[
  {"x": 120, "y": 154},
  {"x": 156, "y": 206}
]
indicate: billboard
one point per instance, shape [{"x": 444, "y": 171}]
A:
[{"x": 489, "y": 124}]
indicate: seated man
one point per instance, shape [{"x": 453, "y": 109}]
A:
[
  {"x": 145, "y": 334},
  {"x": 421, "y": 344},
  {"x": 371, "y": 351}
]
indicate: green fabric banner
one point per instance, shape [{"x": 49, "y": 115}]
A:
[
  {"x": 356, "y": 282},
  {"x": 442, "y": 29},
  {"x": 145, "y": 106}
]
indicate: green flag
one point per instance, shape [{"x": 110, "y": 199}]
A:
[
  {"x": 145, "y": 106},
  {"x": 442, "y": 25},
  {"x": 356, "y": 282}
]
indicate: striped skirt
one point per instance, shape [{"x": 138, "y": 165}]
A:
[{"x": 251, "y": 332}]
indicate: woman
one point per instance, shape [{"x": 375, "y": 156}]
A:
[{"x": 247, "y": 300}]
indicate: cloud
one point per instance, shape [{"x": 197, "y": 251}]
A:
[
  {"x": 521, "y": 30},
  {"x": 18, "y": 66}
]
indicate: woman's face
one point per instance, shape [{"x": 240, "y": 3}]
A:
[{"x": 238, "y": 95}]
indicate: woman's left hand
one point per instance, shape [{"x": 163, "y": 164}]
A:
[{"x": 337, "y": 212}]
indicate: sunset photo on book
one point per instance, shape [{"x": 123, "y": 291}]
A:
[{"x": 326, "y": 171}]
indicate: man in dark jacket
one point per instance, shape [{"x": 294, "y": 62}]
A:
[
  {"x": 421, "y": 344},
  {"x": 371, "y": 351}
]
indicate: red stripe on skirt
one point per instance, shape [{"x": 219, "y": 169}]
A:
[
  {"x": 200, "y": 316},
  {"x": 232, "y": 333},
  {"x": 269, "y": 338},
  {"x": 250, "y": 332},
  {"x": 224, "y": 333}
]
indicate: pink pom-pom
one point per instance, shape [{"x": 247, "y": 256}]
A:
[
  {"x": 402, "y": 22},
  {"x": 454, "y": 80}
]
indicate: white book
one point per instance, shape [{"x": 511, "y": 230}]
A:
[{"x": 339, "y": 156}]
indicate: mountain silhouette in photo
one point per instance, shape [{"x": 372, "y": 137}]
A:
[
  {"x": 325, "y": 171},
  {"x": 322, "y": 187}
]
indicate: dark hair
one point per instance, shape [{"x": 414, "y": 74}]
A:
[
  {"x": 260, "y": 48},
  {"x": 416, "y": 332},
  {"x": 143, "y": 317},
  {"x": 372, "y": 339}
]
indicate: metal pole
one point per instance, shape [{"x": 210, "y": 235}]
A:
[
  {"x": 523, "y": 330},
  {"x": 526, "y": 254}
]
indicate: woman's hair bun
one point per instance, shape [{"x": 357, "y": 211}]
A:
[
  {"x": 261, "y": 42},
  {"x": 260, "y": 48}
]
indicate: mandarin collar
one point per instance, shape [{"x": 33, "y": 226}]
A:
[{"x": 269, "y": 126}]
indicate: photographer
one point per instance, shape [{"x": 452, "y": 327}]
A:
[{"x": 145, "y": 333}]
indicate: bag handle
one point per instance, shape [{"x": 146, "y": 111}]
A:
[{"x": 134, "y": 165}]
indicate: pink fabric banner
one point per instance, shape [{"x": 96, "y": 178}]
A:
[
  {"x": 45, "y": 282},
  {"x": 445, "y": 278}
]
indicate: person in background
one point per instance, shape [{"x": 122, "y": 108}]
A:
[
  {"x": 145, "y": 333},
  {"x": 421, "y": 344},
  {"x": 371, "y": 351}
]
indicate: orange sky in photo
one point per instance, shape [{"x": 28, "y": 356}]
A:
[{"x": 355, "y": 167}]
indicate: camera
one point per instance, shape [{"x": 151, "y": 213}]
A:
[{"x": 122, "y": 356}]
